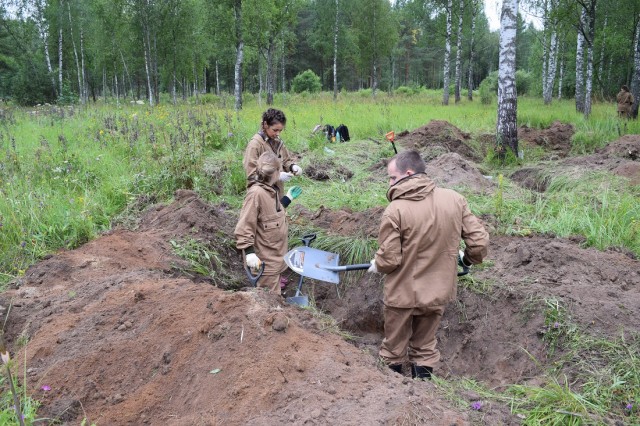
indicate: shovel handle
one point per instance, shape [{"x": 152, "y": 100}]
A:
[
  {"x": 307, "y": 239},
  {"x": 464, "y": 271},
  {"x": 356, "y": 267},
  {"x": 254, "y": 278}
]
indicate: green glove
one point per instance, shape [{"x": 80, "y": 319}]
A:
[{"x": 294, "y": 192}]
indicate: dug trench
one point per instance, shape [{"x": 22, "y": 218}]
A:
[{"x": 123, "y": 331}]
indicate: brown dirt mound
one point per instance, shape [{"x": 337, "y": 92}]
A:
[
  {"x": 620, "y": 157},
  {"x": 556, "y": 138},
  {"x": 343, "y": 221},
  {"x": 627, "y": 147},
  {"x": 452, "y": 171},
  {"x": 499, "y": 313},
  {"x": 437, "y": 138},
  {"x": 326, "y": 170},
  {"x": 122, "y": 339}
]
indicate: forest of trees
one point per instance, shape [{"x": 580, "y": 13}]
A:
[{"x": 162, "y": 50}]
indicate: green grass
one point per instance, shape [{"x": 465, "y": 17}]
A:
[{"x": 67, "y": 174}]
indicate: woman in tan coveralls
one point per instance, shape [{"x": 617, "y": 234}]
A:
[
  {"x": 262, "y": 231},
  {"x": 418, "y": 241},
  {"x": 268, "y": 139}
]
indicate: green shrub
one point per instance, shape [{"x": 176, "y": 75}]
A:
[
  {"x": 524, "y": 82},
  {"x": 306, "y": 81}
]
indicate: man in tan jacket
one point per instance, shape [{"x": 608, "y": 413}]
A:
[{"x": 419, "y": 241}]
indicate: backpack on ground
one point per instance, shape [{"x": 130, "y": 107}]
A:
[
  {"x": 344, "y": 133},
  {"x": 330, "y": 131}
]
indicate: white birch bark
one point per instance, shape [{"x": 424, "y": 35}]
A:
[
  {"x": 60, "y": 60},
  {"x": 447, "y": 56},
  {"x": 147, "y": 65},
  {"x": 43, "y": 28},
  {"x": 507, "y": 122},
  {"x": 560, "y": 71},
  {"x": 75, "y": 54},
  {"x": 551, "y": 70},
  {"x": 85, "y": 88},
  {"x": 270, "y": 77},
  {"x": 601, "y": 62},
  {"x": 459, "y": 53},
  {"x": 635, "y": 79},
  {"x": 472, "y": 51},
  {"x": 545, "y": 50},
  {"x": 237, "y": 76},
  {"x": 580, "y": 64},
  {"x": 217, "y": 79},
  {"x": 590, "y": 39},
  {"x": 335, "y": 54}
]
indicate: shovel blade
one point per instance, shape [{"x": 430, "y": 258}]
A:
[
  {"x": 298, "y": 300},
  {"x": 308, "y": 262}
]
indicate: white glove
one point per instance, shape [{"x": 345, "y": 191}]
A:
[
  {"x": 284, "y": 176},
  {"x": 373, "y": 267},
  {"x": 253, "y": 261},
  {"x": 462, "y": 261},
  {"x": 296, "y": 170}
]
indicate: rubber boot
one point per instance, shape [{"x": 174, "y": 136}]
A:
[
  {"x": 421, "y": 372},
  {"x": 396, "y": 367}
]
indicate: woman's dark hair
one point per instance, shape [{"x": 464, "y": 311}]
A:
[
  {"x": 625, "y": 88},
  {"x": 409, "y": 160},
  {"x": 272, "y": 116}
]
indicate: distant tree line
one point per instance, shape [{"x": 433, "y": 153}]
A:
[{"x": 79, "y": 50}]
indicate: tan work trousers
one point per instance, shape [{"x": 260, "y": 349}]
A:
[
  {"x": 272, "y": 282},
  {"x": 410, "y": 333}
]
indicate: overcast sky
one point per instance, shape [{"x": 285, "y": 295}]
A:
[{"x": 492, "y": 10}]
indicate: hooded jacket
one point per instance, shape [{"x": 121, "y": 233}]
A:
[
  {"x": 258, "y": 145},
  {"x": 419, "y": 240},
  {"x": 262, "y": 227},
  {"x": 625, "y": 100}
]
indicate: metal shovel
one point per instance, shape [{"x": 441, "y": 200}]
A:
[
  {"x": 317, "y": 264},
  {"x": 301, "y": 299}
]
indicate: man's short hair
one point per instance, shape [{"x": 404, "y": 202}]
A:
[
  {"x": 409, "y": 160},
  {"x": 625, "y": 88}
]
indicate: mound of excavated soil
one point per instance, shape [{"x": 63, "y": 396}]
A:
[
  {"x": 556, "y": 138},
  {"x": 437, "y": 138},
  {"x": 620, "y": 157},
  {"x": 452, "y": 171},
  {"x": 121, "y": 338},
  {"x": 341, "y": 222},
  {"x": 494, "y": 333}
]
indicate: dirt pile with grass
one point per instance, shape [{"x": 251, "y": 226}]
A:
[
  {"x": 556, "y": 138},
  {"x": 121, "y": 336},
  {"x": 123, "y": 331},
  {"x": 620, "y": 157},
  {"x": 436, "y": 138}
]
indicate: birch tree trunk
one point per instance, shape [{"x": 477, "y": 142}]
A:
[
  {"x": 447, "y": 55},
  {"x": 551, "y": 71},
  {"x": 43, "y": 28},
  {"x": 217, "y": 79},
  {"x": 590, "y": 39},
  {"x": 580, "y": 64},
  {"x": 75, "y": 54},
  {"x": 85, "y": 88},
  {"x": 60, "y": 60},
  {"x": 635, "y": 80},
  {"x": 545, "y": 50},
  {"x": 507, "y": 123},
  {"x": 601, "y": 62},
  {"x": 472, "y": 52},
  {"x": 459, "y": 53},
  {"x": 237, "y": 76},
  {"x": 270, "y": 77},
  {"x": 335, "y": 54},
  {"x": 147, "y": 65},
  {"x": 561, "y": 71}
]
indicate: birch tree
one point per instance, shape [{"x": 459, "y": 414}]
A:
[
  {"x": 635, "y": 81},
  {"x": 472, "y": 51},
  {"x": 459, "y": 52},
  {"x": 237, "y": 73},
  {"x": 335, "y": 52},
  {"x": 589, "y": 35},
  {"x": 551, "y": 58},
  {"x": 507, "y": 123},
  {"x": 447, "y": 55},
  {"x": 580, "y": 63}
]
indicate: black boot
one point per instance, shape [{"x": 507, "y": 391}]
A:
[
  {"x": 396, "y": 367},
  {"x": 421, "y": 372}
]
